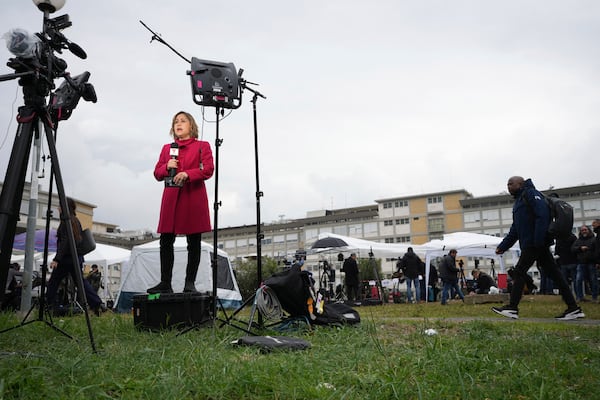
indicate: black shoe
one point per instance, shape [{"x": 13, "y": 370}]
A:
[
  {"x": 570, "y": 314},
  {"x": 189, "y": 288},
  {"x": 162, "y": 287},
  {"x": 506, "y": 311}
]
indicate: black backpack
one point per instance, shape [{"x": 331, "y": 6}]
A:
[{"x": 561, "y": 217}]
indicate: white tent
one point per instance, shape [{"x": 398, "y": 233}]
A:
[
  {"x": 143, "y": 271},
  {"x": 332, "y": 242},
  {"x": 106, "y": 256},
  {"x": 468, "y": 244}
]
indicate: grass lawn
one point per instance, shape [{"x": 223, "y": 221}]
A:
[{"x": 474, "y": 354}]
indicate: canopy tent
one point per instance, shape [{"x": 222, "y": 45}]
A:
[
  {"x": 143, "y": 271},
  {"x": 468, "y": 244},
  {"x": 105, "y": 256},
  {"x": 39, "y": 240},
  {"x": 331, "y": 242}
]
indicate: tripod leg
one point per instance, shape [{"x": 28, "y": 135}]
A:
[
  {"x": 12, "y": 189},
  {"x": 67, "y": 221}
]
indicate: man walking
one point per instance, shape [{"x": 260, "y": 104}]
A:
[{"x": 531, "y": 218}]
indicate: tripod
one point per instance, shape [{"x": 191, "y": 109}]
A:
[
  {"x": 259, "y": 234},
  {"x": 31, "y": 115},
  {"x": 37, "y": 71}
]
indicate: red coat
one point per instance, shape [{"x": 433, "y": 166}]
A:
[{"x": 185, "y": 210}]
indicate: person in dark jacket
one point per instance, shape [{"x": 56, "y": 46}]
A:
[
  {"x": 483, "y": 282},
  {"x": 531, "y": 218},
  {"x": 350, "y": 268},
  {"x": 448, "y": 274},
  {"x": 585, "y": 249},
  {"x": 412, "y": 266},
  {"x": 567, "y": 259},
  {"x": 62, "y": 264}
]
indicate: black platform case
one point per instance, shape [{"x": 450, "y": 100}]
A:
[{"x": 172, "y": 311}]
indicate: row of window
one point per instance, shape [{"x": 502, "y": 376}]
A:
[{"x": 404, "y": 203}]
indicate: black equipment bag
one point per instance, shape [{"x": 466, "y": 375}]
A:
[
  {"x": 293, "y": 289},
  {"x": 268, "y": 343},
  {"x": 337, "y": 314}
]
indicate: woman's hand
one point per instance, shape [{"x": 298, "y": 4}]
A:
[{"x": 181, "y": 178}]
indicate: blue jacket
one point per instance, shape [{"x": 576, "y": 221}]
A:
[{"x": 531, "y": 218}]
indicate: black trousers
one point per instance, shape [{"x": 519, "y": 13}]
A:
[
  {"x": 167, "y": 255},
  {"x": 545, "y": 261}
]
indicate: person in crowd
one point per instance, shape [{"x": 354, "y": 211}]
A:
[
  {"x": 448, "y": 274},
  {"x": 531, "y": 218},
  {"x": 585, "y": 249},
  {"x": 412, "y": 265},
  {"x": 95, "y": 278},
  {"x": 62, "y": 264},
  {"x": 433, "y": 282},
  {"x": 596, "y": 229},
  {"x": 12, "y": 292},
  {"x": 567, "y": 259},
  {"x": 184, "y": 208},
  {"x": 483, "y": 282},
  {"x": 350, "y": 269}
]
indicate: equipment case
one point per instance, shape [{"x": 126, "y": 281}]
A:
[{"x": 177, "y": 310}]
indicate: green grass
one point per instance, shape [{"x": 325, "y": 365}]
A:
[{"x": 474, "y": 355}]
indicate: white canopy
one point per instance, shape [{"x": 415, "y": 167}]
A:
[
  {"x": 332, "y": 242},
  {"x": 105, "y": 256},
  {"x": 143, "y": 271},
  {"x": 468, "y": 244}
]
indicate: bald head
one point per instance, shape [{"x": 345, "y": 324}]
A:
[{"x": 515, "y": 183}]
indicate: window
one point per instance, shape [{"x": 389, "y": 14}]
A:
[
  {"x": 388, "y": 222},
  {"x": 341, "y": 230},
  {"x": 436, "y": 224},
  {"x": 434, "y": 200},
  {"x": 490, "y": 215},
  {"x": 387, "y": 205},
  {"x": 403, "y": 221},
  {"x": 403, "y": 239},
  {"x": 370, "y": 228},
  {"x": 472, "y": 216},
  {"x": 401, "y": 203}
]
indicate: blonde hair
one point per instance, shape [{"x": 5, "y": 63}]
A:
[{"x": 194, "y": 126}]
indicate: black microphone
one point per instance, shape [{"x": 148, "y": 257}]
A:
[
  {"x": 77, "y": 50},
  {"x": 174, "y": 153}
]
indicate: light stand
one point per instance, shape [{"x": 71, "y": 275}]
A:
[{"x": 37, "y": 76}]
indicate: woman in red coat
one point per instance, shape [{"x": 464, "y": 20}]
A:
[{"x": 184, "y": 208}]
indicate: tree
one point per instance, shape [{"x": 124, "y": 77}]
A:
[{"x": 245, "y": 274}]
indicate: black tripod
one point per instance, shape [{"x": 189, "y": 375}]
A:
[
  {"x": 259, "y": 235},
  {"x": 37, "y": 76}
]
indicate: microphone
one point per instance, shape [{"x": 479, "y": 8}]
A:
[
  {"x": 174, "y": 153},
  {"x": 76, "y": 50}
]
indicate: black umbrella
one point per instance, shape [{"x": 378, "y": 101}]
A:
[{"x": 329, "y": 242}]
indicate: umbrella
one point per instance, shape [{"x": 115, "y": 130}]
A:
[
  {"x": 328, "y": 242},
  {"x": 40, "y": 238}
]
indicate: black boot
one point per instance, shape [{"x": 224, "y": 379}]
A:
[
  {"x": 193, "y": 262},
  {"x": 189, "y": 287},
  {"x": 167, "y": 258},
  {"x": 162, "y": 287}
]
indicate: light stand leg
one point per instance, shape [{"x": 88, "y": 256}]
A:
[
  {"x": 259, "y": 194},
  {"x": 216, "y": 206}
]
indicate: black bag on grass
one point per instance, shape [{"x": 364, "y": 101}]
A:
[
  {"x": 293, "y": 289},
  {"x": 337, "y": 314}
]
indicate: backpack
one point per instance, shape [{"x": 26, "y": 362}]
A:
[{"x": 561, "y": 217}]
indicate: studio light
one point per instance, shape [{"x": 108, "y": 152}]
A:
[{"x": 49, "y": 5}]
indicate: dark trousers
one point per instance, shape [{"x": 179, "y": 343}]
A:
[
  {"x": 545, "y": 262},
  {"x": 167, "y": 255},
  {"x": 65, "y": 268}
]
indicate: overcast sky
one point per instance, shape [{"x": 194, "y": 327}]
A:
[{"x": 365, "y": 100}]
